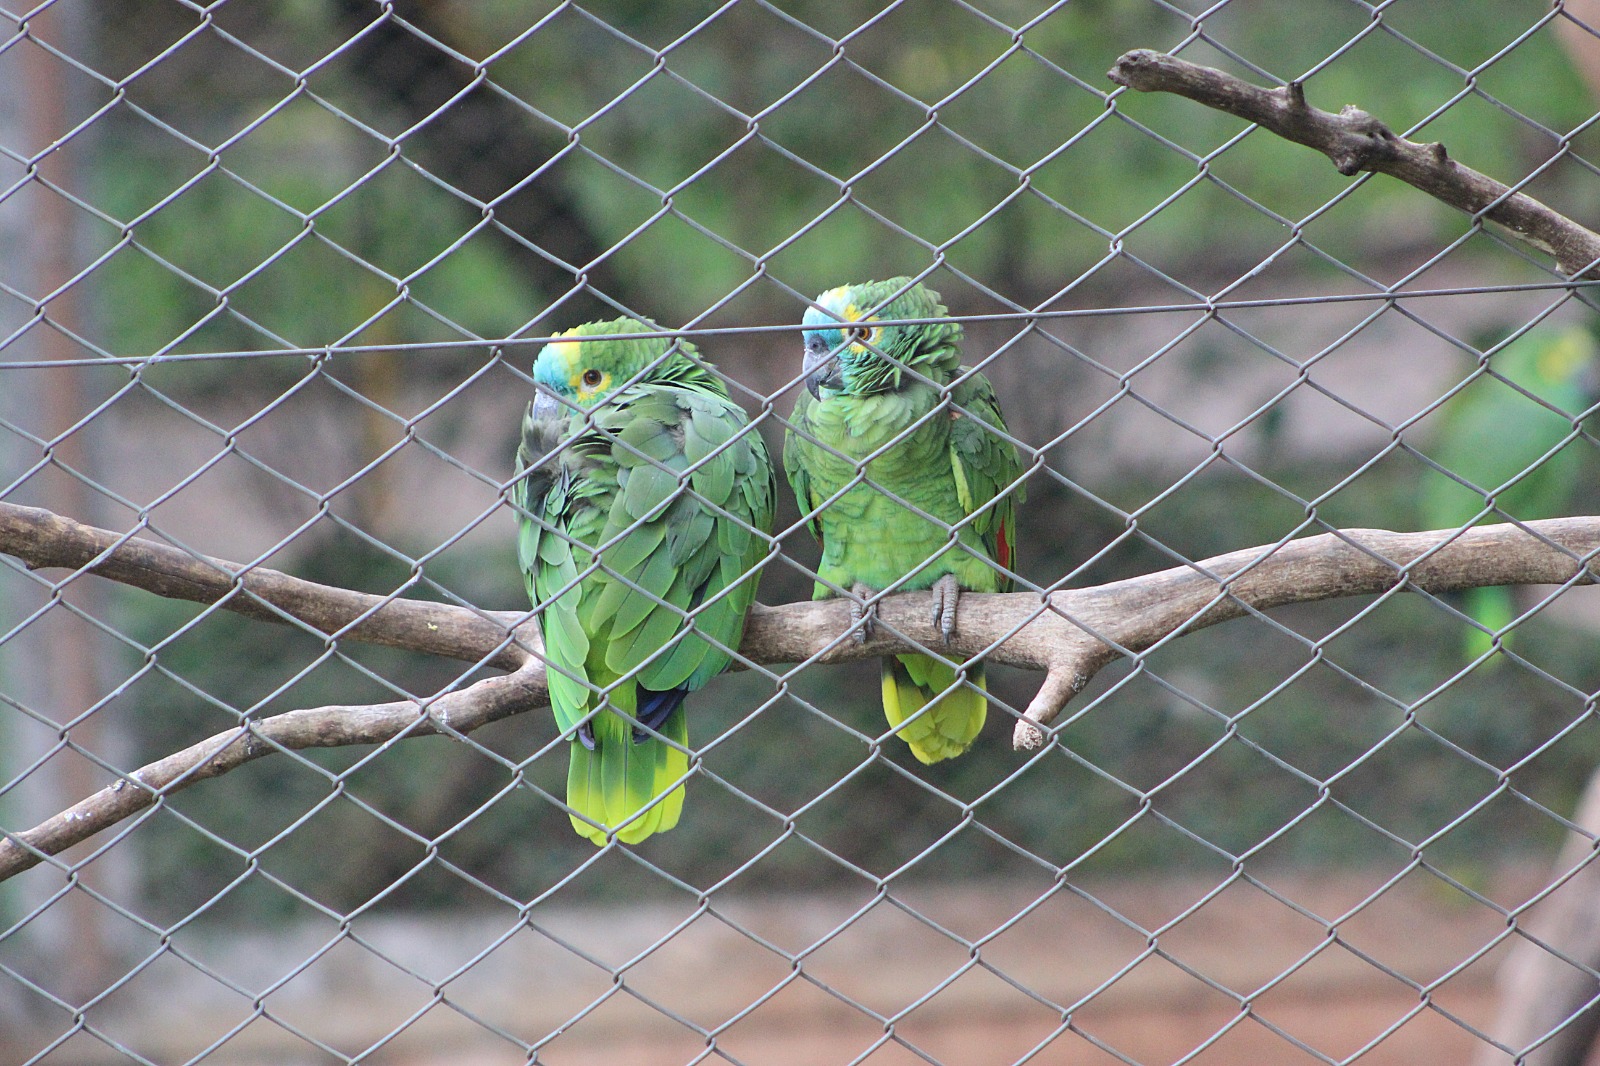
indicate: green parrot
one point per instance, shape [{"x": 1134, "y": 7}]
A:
[
  {"x": 645, "y": 497},
  {"x": 1509, "y": 448},
  {"x": 898, "y": 458}
]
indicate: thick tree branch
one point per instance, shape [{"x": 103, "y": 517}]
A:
[
  {"x": 1356, "y": 141},
  {"x": 43, "y": 540},
  {"x": 1135, "y": 614},
  {"x": 1070, "y": 634}
]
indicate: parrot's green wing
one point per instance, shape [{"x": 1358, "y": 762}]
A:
[
  {"x": 549, "y": 550},
  {"x": 1512, "y": 447},
  {"x": 671, "y": 493},
  {"x": 987, "y": 469},
  {"x": 794, "y": 463},
  {"x": 1508, "y": 444},
  {"x": 694, "y": 488}
]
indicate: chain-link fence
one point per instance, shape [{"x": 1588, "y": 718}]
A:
[{"x": 273, "y": 280}]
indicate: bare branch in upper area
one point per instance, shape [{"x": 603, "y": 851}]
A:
[
  {"x": 1357, "y": 141},
  {"x": 1071, "y": 634}
]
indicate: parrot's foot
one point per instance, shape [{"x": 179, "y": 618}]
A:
[
  {"x": 946, "y": 591},
  {"x": 863, "y": 619}
]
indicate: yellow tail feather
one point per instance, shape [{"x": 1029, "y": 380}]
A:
[
  {"x": 929, "y": 710},
  {"x": 622, "y": 777}
]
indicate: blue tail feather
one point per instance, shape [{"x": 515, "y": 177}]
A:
[{"x": 655, "y": 708}]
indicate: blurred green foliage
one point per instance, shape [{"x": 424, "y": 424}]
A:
[
  {"x": 910, "y": 146},
  {"x": 705, "y": 155}
]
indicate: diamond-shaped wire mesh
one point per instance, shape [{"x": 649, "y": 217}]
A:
[{"x": 272, "y": 280}]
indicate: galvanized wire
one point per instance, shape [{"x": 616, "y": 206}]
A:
[{"x": 137, "y": 941}]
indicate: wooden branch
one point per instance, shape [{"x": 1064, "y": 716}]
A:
[
  {"x": 479, "y": 704},
  {"x": 1355, "y": 141},
  {"x": 1070, "y": 634},
  {"x": 1135, "y": 614},
  {"x": 44, "y": 540}
]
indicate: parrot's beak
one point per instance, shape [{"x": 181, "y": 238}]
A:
[
  {"x": 822, "y": 373},
  {"x": 545, "y": 405}
]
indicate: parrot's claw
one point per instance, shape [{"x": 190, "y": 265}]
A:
[
  {"x": 946, "y": 591},
  {"x": 863, "y": 619}
]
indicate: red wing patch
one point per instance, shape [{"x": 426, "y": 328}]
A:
[{"x": 1002, "y": 547}]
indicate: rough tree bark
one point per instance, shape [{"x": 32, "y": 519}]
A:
[
  {"x": 1356, "y": 141},
  {"x": 1070, "y": 634}
]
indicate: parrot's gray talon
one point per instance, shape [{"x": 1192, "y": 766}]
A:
[
  {"x": 863, "y": 619},
  {"x": 946, "y": 591}
]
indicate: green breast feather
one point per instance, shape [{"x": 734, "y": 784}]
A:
[{"x": 900, "y": 460}]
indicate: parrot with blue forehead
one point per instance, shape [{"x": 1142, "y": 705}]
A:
[
  {"x": 645, "y": 500},
  {"x": 899, "y": 459}
]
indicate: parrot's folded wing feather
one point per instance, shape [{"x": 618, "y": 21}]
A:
[
  {"x": 987, "y": 468},
  {"x": 554, "y": 587},
  {"x": 530, "y": 529},
  {"x": 795, "y": 446},
  {"x": 692, "y": 511}
]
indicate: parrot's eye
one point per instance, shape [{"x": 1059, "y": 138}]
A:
[
  {"x": 592, "y": 378},
  {"x": 858, "y": 334}
]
